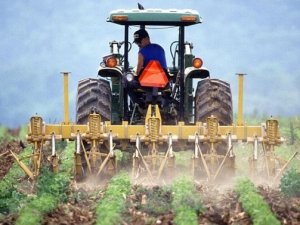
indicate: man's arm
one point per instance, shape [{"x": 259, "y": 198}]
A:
[{"x": 140, "y": 64}]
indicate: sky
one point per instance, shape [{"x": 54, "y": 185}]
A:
[{"x": 41, "y": 39}]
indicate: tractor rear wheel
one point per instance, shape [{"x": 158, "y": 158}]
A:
[
  {"x": 93, "y": 95},
  {"x": 213, "y": 97}
]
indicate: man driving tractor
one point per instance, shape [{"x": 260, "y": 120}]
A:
[
  {"x": 150, "y": 55},
  {"x": 148, "y": 51}
]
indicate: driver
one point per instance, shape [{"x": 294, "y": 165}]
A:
[{"x": 148, "y": 51}]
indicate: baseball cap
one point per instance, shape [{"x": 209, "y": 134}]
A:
[{"x": 139, "y": 35}]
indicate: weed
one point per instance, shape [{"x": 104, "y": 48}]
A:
[
  {"x": 158, "y": 200},
  {"x": 290, "y": 183}
]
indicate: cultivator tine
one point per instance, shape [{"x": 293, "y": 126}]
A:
[
  {"x": 77, "y": 155},
  {"x": 169, "y": 155},
  {"x": 284, "y": 167},
  {"x": 140, "y": 156},
  {"x": 146, "y": 166},
  {"x": 110, "y": 158},
  {"x": 255, "y": 150},
  {"x": 253, "y": 160},
  {"x": 266, "y": 159},
  {"x": 86, "y": 157},
  {"x": 22, "y": 165},
  {"x": 36, "y": 159},
  {"x": 223, "y": 161},
  {"x": 5, "y": 153},
  {"x": 198, "y": 149},
  {"x": 135, "y": 159},
  {"x": 103, "y": 164},
  {"x": 54, "y": 158}
]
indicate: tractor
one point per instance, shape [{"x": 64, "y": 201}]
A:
[
  {"x": 189, "y": 110},
  {"x": 176, "y": 100}
]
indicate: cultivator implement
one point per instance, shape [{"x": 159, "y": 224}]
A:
[{"x": 153, "y": 145}]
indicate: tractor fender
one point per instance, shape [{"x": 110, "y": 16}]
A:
[
  {"x": 192, "y": 72},
  {"x": 110, "y": 72}
]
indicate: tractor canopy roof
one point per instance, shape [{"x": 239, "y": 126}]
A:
[{"x": 169, "y": 17}]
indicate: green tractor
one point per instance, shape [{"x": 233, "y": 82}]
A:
[{"x": 108, "y": 96}]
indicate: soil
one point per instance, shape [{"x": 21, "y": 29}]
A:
[
  {"x": 286, "y": 209},
  {"x": 80, "y": 209},
  {"x": 220, "y": 207},
  {"x": 152, "y": 205},
  {"x": 6, "y": 160},
  {"x": 73, "y": 212}
]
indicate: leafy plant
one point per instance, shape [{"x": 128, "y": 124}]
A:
[
  {"x": 51, "y": 189},
  {"x": 254, "y": 204},
  {"x": 110, "y": 208},
  {"x": 290, "y": 183},
  {"x": 33, "y": 212},
  {"x": 9, "y": 184},
  {"x": 186, "y": 203}
]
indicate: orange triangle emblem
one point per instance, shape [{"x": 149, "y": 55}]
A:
[{"x": 153, "y": 75}]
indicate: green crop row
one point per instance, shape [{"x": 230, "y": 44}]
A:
[
  {"x": 51, "y": 189},
  {"x": 186, "y": 203},
  {"x": 254, "y": 204},
  {"x": 110, "y": 208}
]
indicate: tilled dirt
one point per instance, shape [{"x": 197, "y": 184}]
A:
[
  {"x": 6, "y": 160},
  {"x": 222, "y": 207},
  {"x": 152, "y": 205},
  {"x": 219, "y": 208},
  {"x": 287, "y": 210},
  {"x": 80, "y": 209},
  {"x": 9, "y": 220},
  {"x": 71, "y": 213}
]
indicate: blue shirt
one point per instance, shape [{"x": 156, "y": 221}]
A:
[{"x": 154, "y": 52}]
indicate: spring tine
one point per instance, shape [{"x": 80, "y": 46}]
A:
[
  {"x": 86, "y": 157},
  {"x": 166, "y": 157},
  {"x": 53, "y": 144}
]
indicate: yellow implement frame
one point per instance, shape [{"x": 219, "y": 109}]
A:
[{"x": 152, "y": 134}]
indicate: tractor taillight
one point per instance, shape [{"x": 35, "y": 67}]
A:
[
  {"x": 111, "y": 61},
  {"x": 197, "y": 62},
  {"x": 188, "y": 18},
  {"x": 119, "y": 18}
]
